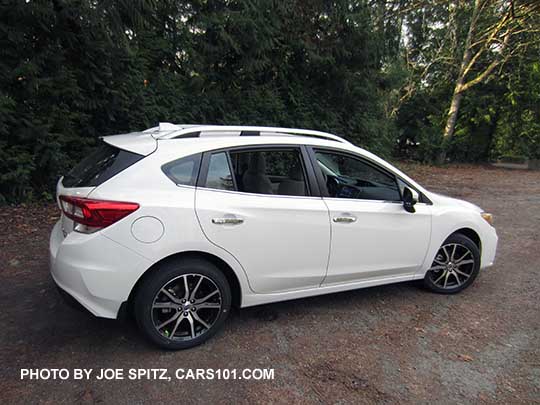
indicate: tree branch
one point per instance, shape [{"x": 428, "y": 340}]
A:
[{"x": 480, "y": 77}]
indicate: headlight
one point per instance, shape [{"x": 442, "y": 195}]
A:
[{"x": 488, "y": 217}]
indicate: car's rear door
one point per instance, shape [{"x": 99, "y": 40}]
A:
[
  {"x": 259, "y": 204},
  {"x": 373, "y": 237}
]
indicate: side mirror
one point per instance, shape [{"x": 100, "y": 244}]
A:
[{"x": 410, "y": 197}]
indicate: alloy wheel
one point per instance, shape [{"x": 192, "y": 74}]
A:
[
  {"x": 452, "y": 267},
  {"x": 186, "y": 307}
]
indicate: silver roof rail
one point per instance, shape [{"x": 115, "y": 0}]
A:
[{"x": 199, "y": 131}]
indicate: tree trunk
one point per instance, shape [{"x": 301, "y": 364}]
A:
[{"x": 451, "y": 119}]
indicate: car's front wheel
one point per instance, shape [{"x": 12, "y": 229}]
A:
[
  {"x": 455, "y": 266},
  {"x": 183, "y": 303}
]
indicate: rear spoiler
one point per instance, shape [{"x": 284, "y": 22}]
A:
[{"x": 136, "y": 142}]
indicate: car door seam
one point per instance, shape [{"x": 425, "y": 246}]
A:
[
  {"x": 423, "y": 265},
  {"x": 219, "y": 247},
  {"x": 329, "y": 243}
]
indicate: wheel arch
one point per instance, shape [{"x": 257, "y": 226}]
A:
[
  {"x": 466, "y": 229},
  {"x": 471, "y": 234},
  {"x": 236, "y": 289}
]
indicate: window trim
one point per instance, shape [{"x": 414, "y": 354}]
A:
[
  {"x": 312, "y": 149},
  {"x": 231, "y": 169},
  {"x": 309, "y": 174}
]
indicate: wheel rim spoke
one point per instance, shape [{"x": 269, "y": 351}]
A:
[
  {"x": 186, "y": 286},
  {"x": 205, "y": 305},
  {"x": 204, "y": 299},
  {"x": 459, "y": 264},
  {"x": 457, "y": 278},
  {"x": 191, "y": 325},
  {"x": 439, "y": 262},
  {"x": 446, "y": 279},
  {"x": 446, "y": 253},
  {"x": 439, "y": 279},
  {"x": 464, "y": 256},
  {"x": 164, "y": 305},
  {"x": 196, "y": 288},
  {"x": 198, "y": 319},
  {"x": 178, "y": 322},
  {"x": 462, "y": 273},
  {"x": 170, "y": 296},
  {"x": 168, "y": 321}
]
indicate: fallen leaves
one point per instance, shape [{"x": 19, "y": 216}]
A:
[{"x": 465, "y": 357}]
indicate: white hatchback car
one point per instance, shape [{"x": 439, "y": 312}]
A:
[{"x": 180, "y": 223}]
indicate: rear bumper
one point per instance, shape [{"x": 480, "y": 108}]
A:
[
  {"x": 70, "y": 301},
  {"x": 96, "y": 271}
]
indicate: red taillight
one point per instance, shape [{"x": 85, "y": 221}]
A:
[{"x": 95, "y": 213}]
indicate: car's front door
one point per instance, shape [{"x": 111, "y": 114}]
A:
[
  {"x": 373, "y": 237},
  {"x": 257, "y": 204}
]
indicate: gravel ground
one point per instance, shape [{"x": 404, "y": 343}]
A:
[{"x": 392, "y": 344}]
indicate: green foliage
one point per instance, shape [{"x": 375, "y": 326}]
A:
[
  {"x": 71, "y": 71},
  {"x": 420, "y": 122},
  {"x": 518, "y": 128},
  {"x": 74, "y": 70}
]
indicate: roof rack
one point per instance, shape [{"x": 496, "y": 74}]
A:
[
  {"x": 172, "y": 131},
  {"x": 168, "y": 127}
]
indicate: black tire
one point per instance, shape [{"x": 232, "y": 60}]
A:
[
  {"x": 173, "y": 275},
  {"x": 434, "y": 279}
]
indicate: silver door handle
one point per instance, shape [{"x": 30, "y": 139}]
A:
[
  {"x": 344, "y": 219},
  {"x": 227, "y": 221}
]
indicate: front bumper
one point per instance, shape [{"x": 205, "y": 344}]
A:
[
  {"x": 96, "y": 271},
  {"x": 489, "y": 247}
]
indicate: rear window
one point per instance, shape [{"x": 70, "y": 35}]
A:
[{"x": 103, "y": 163}]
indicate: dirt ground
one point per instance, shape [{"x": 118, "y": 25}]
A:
[{"x": 392, "y": 344}]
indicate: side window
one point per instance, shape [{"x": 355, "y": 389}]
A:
[
  {"x": 183, "y": 171},
  {"x": 277, "y": 171},
  {"x": 348, "y": 177},
  {"x": 402, "y": 186},
  {"x": 219, "y": 174}
]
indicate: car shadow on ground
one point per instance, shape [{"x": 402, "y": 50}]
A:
[{"x": 60, "y": 326}]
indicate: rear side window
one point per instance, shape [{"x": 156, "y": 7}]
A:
[
  {"x": 183, "y": 171},
  {"x": 103, "y": 163},
  {"x": 275, "y": 171}
]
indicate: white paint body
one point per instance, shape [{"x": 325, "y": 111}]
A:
[{"x": 286, "y": 248}]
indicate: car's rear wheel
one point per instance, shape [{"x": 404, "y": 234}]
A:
[
  {"x": 183, "y": 303},
  {"x": 455, "y": 266}
]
